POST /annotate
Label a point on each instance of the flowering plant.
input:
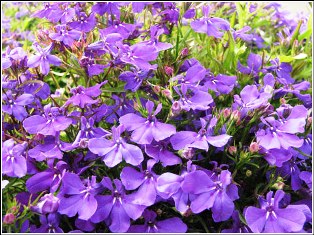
(156, 117)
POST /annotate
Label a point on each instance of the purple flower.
(134, 79)
(306, 176)
(47, 179)
(200, 140)
(281, 133)
(43, 59)
(212, 26)
(144, 182)
(74, 192)
(47, 204)
(51, 122)
(115, 149)
(15, 106)
(117, 208)
(112, 8)
(117, 27)
(216, 192)
(171, 225)
(147, 129)
(49, 224)
(65, 15)
(138, 55)
(159, 152)
(282, 70)
(250, 98)
(193, 98)
(90, 67)
(13, 161)
(254, 63)
(270, 218)
(241, 33)
(194, 75)
(237, 225)
(84, 23)
(221, 84)
(277, 156)
(68, 37)
(84, 96)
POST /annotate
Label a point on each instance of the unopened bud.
(248, 173)
(309, 121)
(226, 113)
(47, 204)
(176, 108)
(83, 143)
(254, 147)
(159, 212)
(156, 89)
(283, 101)
(188, 153)
(168, 70)
(167, 93)
(232, 150)
(236, 115)
(188, 212)
(185, 52)
(9, 218)
(278, 185)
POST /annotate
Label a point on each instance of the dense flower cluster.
(156, 117)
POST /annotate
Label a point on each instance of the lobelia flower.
(221, 84)
(118, 27)
(254, 62)
(75, 192)
(189, 14)
(144, 182)
(152, 225)
(139, 56)
(212, 26)
(49, 224)
(84, 23)
(155, 32)
(43, 59)
(88, 131)
(15, 105)
(112, 8)
(117, 208)
(13, 162)
(49, 10)
(281, 133)
(250, 98)
(68, 37)
(115, 149)
(135, 78)
(147, 129)
(65, 15)
(194, 75)
(47, 204)
(159, 152)
(270, 218)
(282, 70)
(306, 176)
(121, 107)
(171, 14)
(90, 67)
(215, 192)
(51, 122)
(84, 96)
(200, 140)
(193, 98)
(47, 179)
(277, 156)
(241, 33)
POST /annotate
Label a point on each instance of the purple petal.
(219, 140)
(197, 182)
(223, 207)
(182, 139)
(255, 218)
(88, 207)
(132, 154)
(172, 225)
(131, 178)
(34, 124)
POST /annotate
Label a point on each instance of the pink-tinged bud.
(156, 89)
(167, 93)
(283, 101)
(188, 153)
(309, 121)
(168, 70)
(39, 137)
(185, 52)
(9, 218)
(159, 212)
(254, 147)
(176, 108)
(232, 150)
(236, 115)
(83, 143)
(187, 213)
(226, 113)
(47, 204)
(279, 185)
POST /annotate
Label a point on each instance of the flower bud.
(283, 101)
(168, 70)
(232, 150)
(83, 143)
(167, 93)
(248, 173)
(254, 147)
(176, 108)
(236, 115)
(278, 185)
(156, 89)
(9, 218)
(188, 153)
(185, 52)
(159, 212)
(309, 121)
(47, 204)
(226, 113)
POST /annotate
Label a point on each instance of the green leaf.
(287, 59)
